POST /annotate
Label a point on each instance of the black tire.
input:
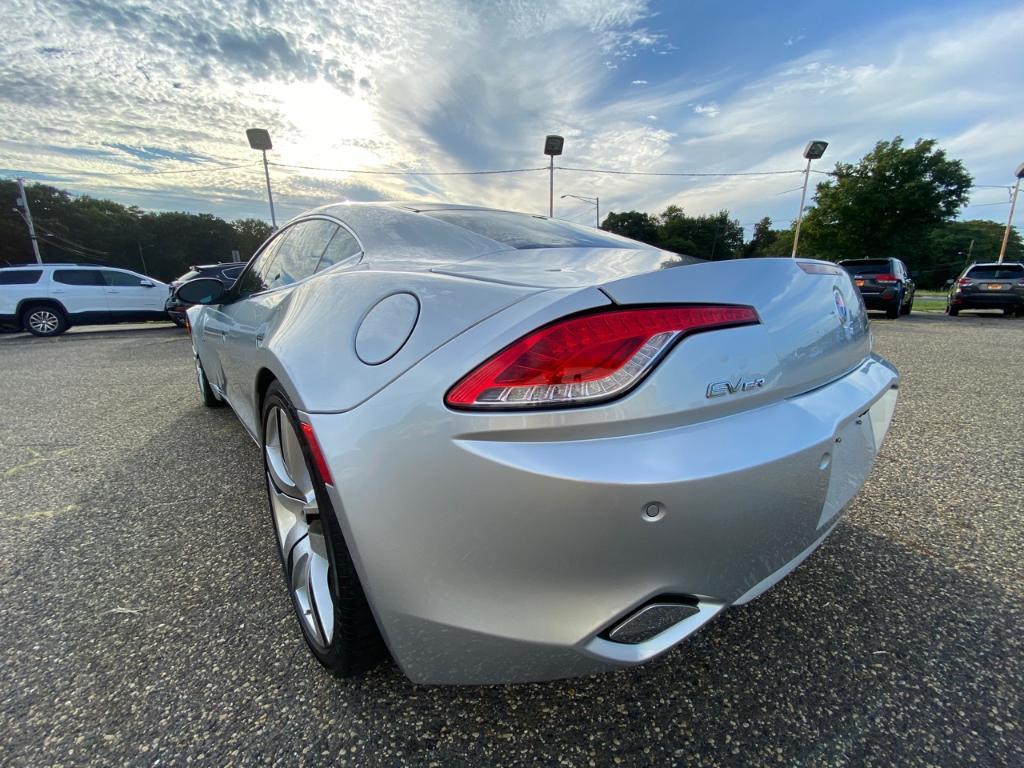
(1009, 312)
(206, 394)
(44, 319)
(356, 644)
(177, 322)
(893, 312)
(952, 311)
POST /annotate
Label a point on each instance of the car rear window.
(522, 231)
(1001, 272)
(78, 277)
(875, 267)
(20, 276)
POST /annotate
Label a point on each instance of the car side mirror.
(202, 290)
(146, 283)
(949, 283)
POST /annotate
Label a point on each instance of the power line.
(660, 173)
(409, 173)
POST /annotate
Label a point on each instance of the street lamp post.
(1019, 173)
(594, 201)
(813, 151)
(259, 138)
(552, 147)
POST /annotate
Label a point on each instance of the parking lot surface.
(143, 618)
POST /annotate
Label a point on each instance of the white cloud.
(92, 86)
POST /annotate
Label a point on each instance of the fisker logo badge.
(840, 306)
(719, 388)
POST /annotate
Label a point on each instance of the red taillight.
(318, 456)
(586, 358)
(886, 279)
(964, 281)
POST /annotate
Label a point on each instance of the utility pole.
(27, 214)
(145, 269)
(1013, 204)
(270, 195)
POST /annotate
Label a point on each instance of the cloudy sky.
(96, 95)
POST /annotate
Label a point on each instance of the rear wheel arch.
(24, 305)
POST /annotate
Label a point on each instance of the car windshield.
(522, 231)
(1001, 272)
(877, 267)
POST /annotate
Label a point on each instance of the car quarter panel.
(310, 343)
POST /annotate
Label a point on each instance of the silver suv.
(47, 299)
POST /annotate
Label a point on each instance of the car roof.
(997, 264)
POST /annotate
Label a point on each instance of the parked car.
(227, 273)
(883, 284)
(988, 286)
(505, 447)
(47, 299)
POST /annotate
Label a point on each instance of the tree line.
(898, 200)
(88, 230)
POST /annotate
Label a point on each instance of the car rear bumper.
(993, 300)
(505, 556)
(881, 299)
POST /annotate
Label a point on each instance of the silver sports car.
(502, 447)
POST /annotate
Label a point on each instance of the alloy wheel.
(43, 321)
(299, 531)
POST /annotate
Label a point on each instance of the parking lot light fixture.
(813, 151)
(259, 138)
(1019, 173)
(594, 201)
(552, 147)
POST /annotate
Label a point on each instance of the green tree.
(764, 237)
(85, 229)
(887, 204)
(952, 245)
(634, 225)
(715, 236)
(249, 235)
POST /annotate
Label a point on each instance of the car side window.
(121, 279)
(342, 248)
(300, 253)
(252, 279)
(78, 277)
(232, 274)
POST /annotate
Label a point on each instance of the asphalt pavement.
(144, 620)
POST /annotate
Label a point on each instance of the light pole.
(813, 151)
(552, 146)
(1019, 173)
(27, 215)
(259, 138)
(594, 201)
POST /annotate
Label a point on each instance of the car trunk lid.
(812, 319)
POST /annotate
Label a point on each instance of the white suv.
(47, 299)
